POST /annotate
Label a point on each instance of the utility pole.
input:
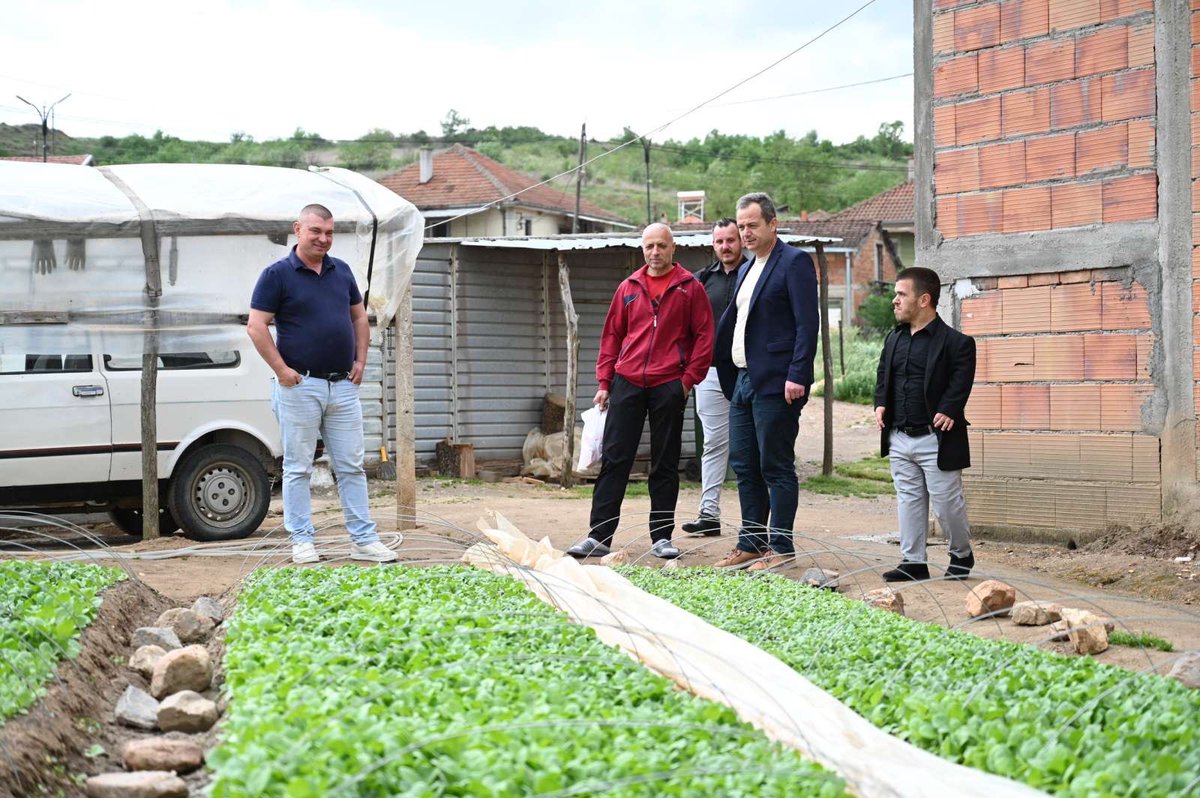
(646, 152)
(44, 113)
(579, 175)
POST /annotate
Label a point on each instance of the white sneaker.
(372, 552)
(305, 553)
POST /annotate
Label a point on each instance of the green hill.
(808, 173)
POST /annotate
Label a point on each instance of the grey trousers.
(713, 409)
(920, 483)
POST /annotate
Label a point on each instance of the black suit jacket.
(949, 375)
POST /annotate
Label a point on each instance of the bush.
(875, 315)
(862, 361)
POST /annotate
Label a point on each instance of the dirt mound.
(41, 750)
(1158, 541)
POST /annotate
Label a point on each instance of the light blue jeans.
(332, 411)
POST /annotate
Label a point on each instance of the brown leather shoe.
(736, 558)
(771, 562)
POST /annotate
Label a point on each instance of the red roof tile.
(894, 205)
(465, 178)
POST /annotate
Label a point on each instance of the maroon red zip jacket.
(652, 343)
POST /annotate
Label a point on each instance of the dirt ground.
(1131, 576)
(1128, 575)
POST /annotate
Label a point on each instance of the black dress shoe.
(907, 572)
(960, 567)
(705, 526)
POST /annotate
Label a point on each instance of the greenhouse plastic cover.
(73, 273)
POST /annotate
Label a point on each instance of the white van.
(72, 438)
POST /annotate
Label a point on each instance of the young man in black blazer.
(925, 376)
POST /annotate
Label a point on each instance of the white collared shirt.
(743, 303)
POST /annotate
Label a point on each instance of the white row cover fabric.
(722, 667)
(72, 257)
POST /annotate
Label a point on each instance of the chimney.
(912, 168)
(426, 160)
(804, 216)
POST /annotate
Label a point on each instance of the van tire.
(129, 520)
(219, 492)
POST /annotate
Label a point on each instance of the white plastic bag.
(592, 442)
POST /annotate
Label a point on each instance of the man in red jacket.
(657, 343)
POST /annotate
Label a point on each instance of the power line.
(815, 91)
(692, 110)
(782, 161)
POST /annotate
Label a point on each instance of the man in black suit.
(764, 354)
(924, 379)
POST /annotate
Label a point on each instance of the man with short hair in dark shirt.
(924, 379)
(718, 279)
(318, 361)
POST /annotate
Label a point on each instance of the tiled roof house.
(466, 193)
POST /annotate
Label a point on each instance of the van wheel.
(219, 492)
(129, 520)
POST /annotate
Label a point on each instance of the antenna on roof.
(44, 112)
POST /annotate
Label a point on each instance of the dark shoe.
(703, 527)
(960, 567)
(589, 547)
(907, 572)
(664, 550)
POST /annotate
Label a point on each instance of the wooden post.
(149, 418)
(406, 431)
(827, 361)
(564, 285)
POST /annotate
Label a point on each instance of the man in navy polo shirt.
(318, 360)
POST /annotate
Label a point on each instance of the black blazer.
(949, 375)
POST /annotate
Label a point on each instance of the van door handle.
(87, 390)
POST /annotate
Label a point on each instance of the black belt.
(916, 432)
(331, 376)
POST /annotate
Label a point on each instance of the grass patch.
(633, 489)
(865, 478)
(856, 383)
(1139, 640)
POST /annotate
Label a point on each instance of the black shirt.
(718, 284)
(909, 359)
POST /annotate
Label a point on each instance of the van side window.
(176, 361)
(43, 363)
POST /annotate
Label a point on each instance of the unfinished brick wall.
(1057, 437)
(1195, 107)
(1043, 114)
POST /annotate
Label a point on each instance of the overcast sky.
(209, 69)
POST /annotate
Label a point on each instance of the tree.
(453, 123)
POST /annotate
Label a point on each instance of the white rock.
(137, 708)
(188, 712)
(187, 625)
(141, 784)
(618, 557)
(162, 753)
(1187, 669)
(183, 669)
(1035, 613)
(990, 597)
(1085, 630)
(885, 598)
(163, 637)
(144, 658)
(209, 608)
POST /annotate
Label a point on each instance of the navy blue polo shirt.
(313, 330)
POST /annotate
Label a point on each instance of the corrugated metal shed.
(490, 335)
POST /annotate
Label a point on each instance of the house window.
(528, 226)
(879, 263)
(440, 230)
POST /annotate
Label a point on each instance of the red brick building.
(1055, 196)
